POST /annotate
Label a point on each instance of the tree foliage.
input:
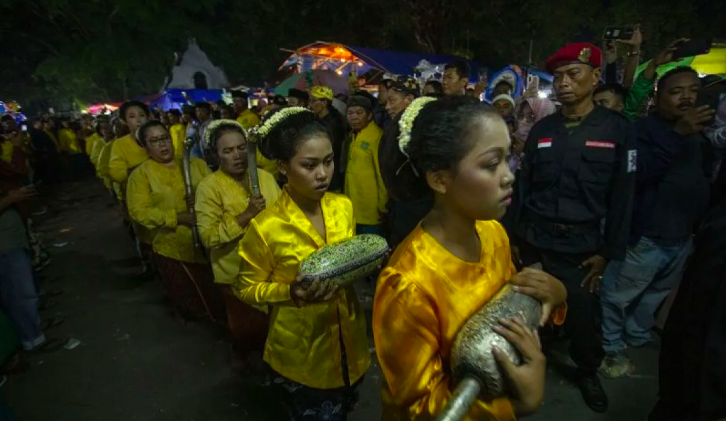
(100, 50)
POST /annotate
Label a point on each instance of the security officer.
(571, 210)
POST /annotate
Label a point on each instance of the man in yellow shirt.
(363, 182)
(245, 116)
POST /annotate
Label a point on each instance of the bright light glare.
(542, 94)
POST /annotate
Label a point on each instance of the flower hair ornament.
(259, 132)
(405, 125)
(263, 129)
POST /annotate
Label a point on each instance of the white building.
(194, 70)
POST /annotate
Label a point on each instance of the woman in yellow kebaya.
(157, 200)
(104, 157)
(453, 263)
(317, 342)
(225, 207)
(127, 153)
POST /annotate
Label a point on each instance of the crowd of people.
(614, 188)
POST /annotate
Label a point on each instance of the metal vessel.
(474, 367)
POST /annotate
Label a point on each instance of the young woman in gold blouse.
(224, 208)
(317, 342)
(453, 263)
(157, 200)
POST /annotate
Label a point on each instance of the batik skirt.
(191, 289)
(305, 403)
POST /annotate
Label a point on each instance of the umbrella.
(305, 80)
(713, 63)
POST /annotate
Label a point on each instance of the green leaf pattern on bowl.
(346, 261)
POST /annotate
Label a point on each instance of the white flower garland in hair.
(405, 124)
(216, 123)
(264, 128)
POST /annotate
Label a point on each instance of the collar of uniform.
(595, 117)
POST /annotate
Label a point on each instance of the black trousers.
(582, 324)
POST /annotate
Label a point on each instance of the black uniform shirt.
(579, 175)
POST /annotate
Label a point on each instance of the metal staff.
(252, 162)
(189, 143)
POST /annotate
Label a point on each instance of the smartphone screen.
(618, 33)
(532, 82)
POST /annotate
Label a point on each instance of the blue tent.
(175, 98)
(404, 63)
(395, 62)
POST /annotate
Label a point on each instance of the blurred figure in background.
(321, 103)
(456, 78)
(297, 98)
(433, 88)
(528, 113)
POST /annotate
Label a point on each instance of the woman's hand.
(526, 381)
(542, 286)
(256, 205)
(320, 290)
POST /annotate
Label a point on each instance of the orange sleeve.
(405, 327)
(558, 316)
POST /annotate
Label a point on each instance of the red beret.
(578, 52)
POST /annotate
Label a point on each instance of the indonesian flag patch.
(545, 142)
(600, 144)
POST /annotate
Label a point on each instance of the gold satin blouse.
(126, 155)
(220, 199)
(423, 297)
(303, 344)
(155, 195)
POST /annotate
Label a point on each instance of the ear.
(596, 75)
(282, 167)
(439, 181)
